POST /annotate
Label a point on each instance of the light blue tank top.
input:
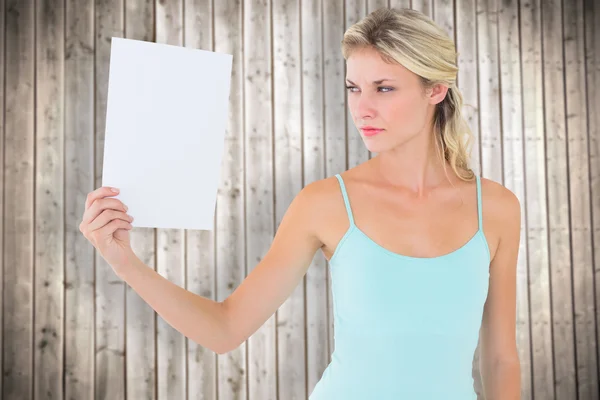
(405, 328)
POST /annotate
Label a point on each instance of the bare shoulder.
(322, 197)
(501, 210)
(327, 214)
(500, 201)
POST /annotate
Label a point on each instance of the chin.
(377, 146)
(380, 144)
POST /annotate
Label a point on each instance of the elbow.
(225, 345)
(215, 335)
(222, 350)
(224, 342)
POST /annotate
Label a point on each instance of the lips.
(370, 131)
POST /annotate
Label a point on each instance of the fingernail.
(115, 190)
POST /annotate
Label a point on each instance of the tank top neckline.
(354, 228)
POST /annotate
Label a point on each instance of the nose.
(364, 106)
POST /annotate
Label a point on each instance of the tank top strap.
(346, 201)
(479, 211)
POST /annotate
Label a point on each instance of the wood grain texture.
(561, 283)
(2, 202)
(19, 189)
(489, 88)
(528, 70)
(110, 290)
(467, 79)
(49, 205)
(373, 5)
(443, 15)
(399, 3)
(536, 215)
(79, 181)
(425, 6)
(287, 156)
(591, 23)
(580, 218)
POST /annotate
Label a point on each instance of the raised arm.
(223, 326)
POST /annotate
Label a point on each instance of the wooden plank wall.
(529, 70)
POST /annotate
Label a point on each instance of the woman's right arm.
(223, 326)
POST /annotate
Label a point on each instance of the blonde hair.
(410, 38)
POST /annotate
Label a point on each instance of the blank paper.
(166, 116)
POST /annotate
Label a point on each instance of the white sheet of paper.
(166, 116)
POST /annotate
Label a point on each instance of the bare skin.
(395, 219)
(402, 199)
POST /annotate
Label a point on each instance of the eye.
(387, 88)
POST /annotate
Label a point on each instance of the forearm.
(198, 318)
(501, 381)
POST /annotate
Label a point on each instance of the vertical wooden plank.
(542, 386)
(558, 201)
(425, 6)
(591, 15)
(79, 172)
(2, 172)
(140, 340)
(399, 3)
(357, 151)
(291, 341)
(489, 81)
(317, 352)
(200, 251)
(49, 231)
(170, 252)
(230, 253)
(19, 200)
(579, 197)
(335, 111)
(466, 46)
(443, 15)
(514, 166)
(373, 5)
(258, 98)
(110, 290)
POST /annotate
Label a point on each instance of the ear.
(437, 93)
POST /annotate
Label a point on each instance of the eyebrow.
(375, 82)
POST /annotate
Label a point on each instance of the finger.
(106, 217)
(101, 192)
(112, 226)
(99, 206)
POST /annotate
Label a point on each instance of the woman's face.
(397, 105)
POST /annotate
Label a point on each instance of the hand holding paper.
(106, 225)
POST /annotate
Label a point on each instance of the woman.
(422, 251)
